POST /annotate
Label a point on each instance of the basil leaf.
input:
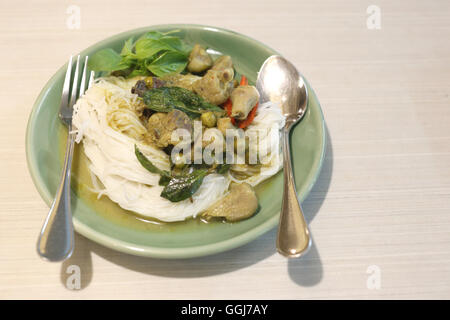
(106, 60)
(154, 52)
(161, 101)
(139, 69)
(165, 99)
(192, 100)
(127, 48)
(137, 72)
(191, 113)
(182, 187)
(147, 48)
(211, 107)
(158, 100)
(147, 164)
(129, 62)
(173, 43)
(152, 35)
(169, 62)
(164, 180)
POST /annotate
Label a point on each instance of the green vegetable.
(148, 47)
(167, 63)
(153, 35)
(165, 99)
(193, 100)
(153, 53)
(164, 180)
(107, 60)
(127, 49)
(182, 187)
(158, 100)
(147, 164)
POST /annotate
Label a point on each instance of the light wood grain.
(383, 197)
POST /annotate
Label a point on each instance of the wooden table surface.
(380, 211)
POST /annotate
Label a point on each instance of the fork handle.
(293, 239)
(56, 240)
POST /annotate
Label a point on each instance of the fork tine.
(83, 77)
(73, 99)
(91, 79)
(66, 86)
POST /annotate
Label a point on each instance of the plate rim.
(148, 250)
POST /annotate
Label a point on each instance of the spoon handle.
(56, 240)
(293, 238)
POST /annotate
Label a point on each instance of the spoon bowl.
(281, 83)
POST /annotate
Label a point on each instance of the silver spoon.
(280, 82)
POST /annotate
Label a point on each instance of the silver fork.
(56, 240)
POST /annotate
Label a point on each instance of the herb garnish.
(165, 99)
(153, 53)
(178, 187)
(183, 187)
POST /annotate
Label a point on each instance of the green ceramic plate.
(104, 222)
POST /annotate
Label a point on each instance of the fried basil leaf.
(165, 99)
(147, 164)
(181, 188)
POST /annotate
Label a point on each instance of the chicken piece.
(215, 86)
(241, 203)
(223, 124)
(185, 81)
(161, 125)
(155, 129)
(223, 63)
(199, 60)
(243, 99)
